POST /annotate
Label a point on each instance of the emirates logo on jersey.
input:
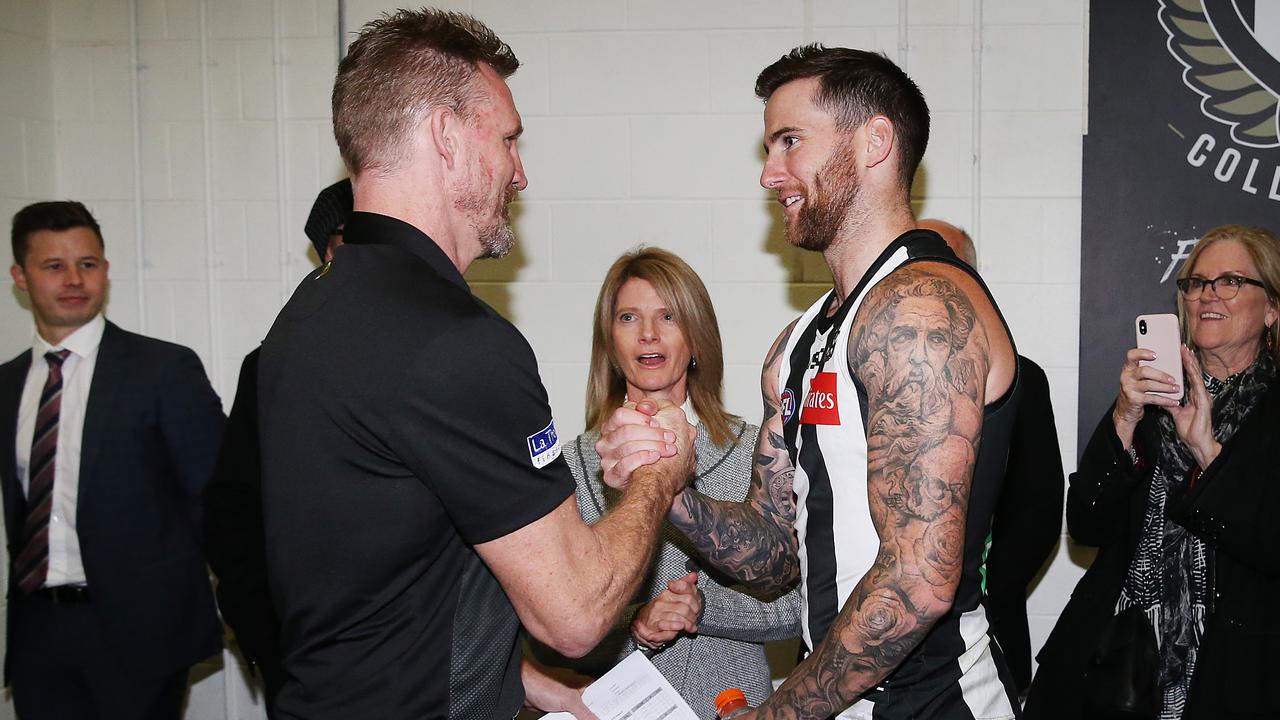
(821, 405)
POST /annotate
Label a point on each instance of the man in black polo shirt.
(414, 497)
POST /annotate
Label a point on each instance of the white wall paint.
(27, 139)
(198, 132)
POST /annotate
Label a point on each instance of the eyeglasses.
(1225, 286)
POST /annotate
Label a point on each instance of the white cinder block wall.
(198, 132)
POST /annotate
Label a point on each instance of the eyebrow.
(773, 137)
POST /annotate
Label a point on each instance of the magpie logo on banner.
(1230, 52)
(1182, 135)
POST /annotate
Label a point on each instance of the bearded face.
(833, 194)
(486, 203)
(496, 236)
(919, 346)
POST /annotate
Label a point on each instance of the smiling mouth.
(790, 200)
(1212, 316)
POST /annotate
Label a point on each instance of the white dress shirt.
(65, 566)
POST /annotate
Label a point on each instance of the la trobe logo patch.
(544, 445)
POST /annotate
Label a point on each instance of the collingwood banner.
(1183, 136)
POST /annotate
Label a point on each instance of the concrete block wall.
(27, 139)
(198, 131)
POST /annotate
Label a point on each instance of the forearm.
(549, 689)
(738, 539)
(622, 545)
(881, 623)
(733, 615)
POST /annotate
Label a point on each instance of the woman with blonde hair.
(1179, 497)
(656, 337)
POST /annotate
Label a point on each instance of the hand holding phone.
(1159, 334)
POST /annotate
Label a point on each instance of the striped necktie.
(32, 565)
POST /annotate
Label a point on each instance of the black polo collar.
(366, 228)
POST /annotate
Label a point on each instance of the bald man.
(1028, 517)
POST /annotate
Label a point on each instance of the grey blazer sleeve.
(735, 615)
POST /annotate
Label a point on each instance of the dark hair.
(329, 212)
(853, 86)
(401, 67)
(56, 215)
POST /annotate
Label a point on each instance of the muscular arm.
(919, 348)
(752, 540)
(568, 580)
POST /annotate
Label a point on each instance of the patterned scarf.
(1168, 576)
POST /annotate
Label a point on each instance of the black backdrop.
(1181, 138)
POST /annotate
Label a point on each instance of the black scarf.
(1168, 576)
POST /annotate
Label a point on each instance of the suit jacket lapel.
(113, 358)
(10, 398)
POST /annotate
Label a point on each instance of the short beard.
(496, 237)
(827, 206)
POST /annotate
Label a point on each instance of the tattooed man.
(887, 412)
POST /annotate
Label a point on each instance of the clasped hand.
(646, 433)
(673, 611)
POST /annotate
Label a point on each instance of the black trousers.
(61, 667)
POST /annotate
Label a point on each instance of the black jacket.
(1232, 508)
(1027, 522)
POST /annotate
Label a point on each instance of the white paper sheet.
(633, 690)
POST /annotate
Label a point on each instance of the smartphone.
(1159, 334)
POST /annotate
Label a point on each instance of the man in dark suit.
(234, 540)
(108, 440)
(1028, 517)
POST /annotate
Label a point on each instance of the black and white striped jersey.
(956, 672)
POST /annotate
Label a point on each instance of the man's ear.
(880, 138)
(19, 277)
(446, 127)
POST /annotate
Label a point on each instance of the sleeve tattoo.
(752, 541)
(919, 350)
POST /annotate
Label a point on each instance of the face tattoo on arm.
(923, 359)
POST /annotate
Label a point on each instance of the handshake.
(648, 443)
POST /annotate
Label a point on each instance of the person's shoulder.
(581, 450)
(144, 346)
(384, 273)
(20, 360)
(14, 372)
(474, 324)
(1030, 374)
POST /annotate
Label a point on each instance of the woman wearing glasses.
(1182, 501)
